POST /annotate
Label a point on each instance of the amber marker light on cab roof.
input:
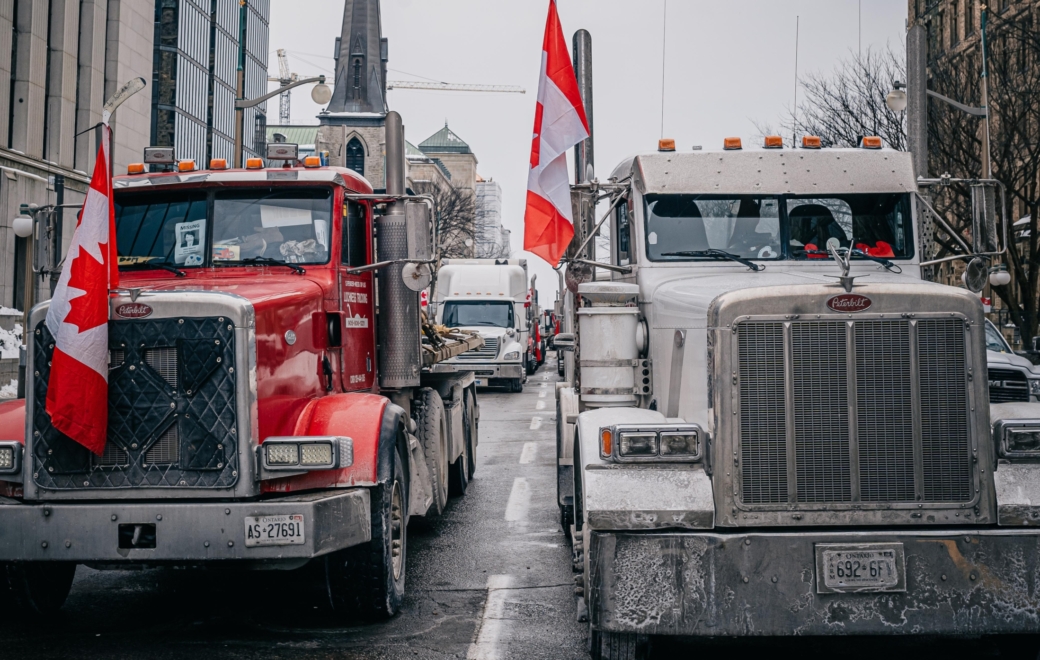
(811, 142)
(254, 163)
(666, 145)
(774, 142)
(731, 144)
(186, 166)
(606, 442)
(870, 142)
(218, 164)
(312, 161)
(135, 168)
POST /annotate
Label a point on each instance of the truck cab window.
(878, 225)
(746, 226)
(290, 225)
(355, 235)
(623, 233)
(478, 314)
(168, 229)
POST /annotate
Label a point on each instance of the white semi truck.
(491, 297)
(772, 424)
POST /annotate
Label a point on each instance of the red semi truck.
(270, 399)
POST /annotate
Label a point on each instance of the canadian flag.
(77, 392)
(559, 124)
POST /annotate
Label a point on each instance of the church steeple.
(361, 61)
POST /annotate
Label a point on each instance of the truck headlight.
(1023, 442)
(1034, 387)
(512, 355)
(10, 457)
(643, 444)
(306, 453)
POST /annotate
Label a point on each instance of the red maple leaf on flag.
(90, 275)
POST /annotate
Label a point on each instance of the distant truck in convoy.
(490, 297)
(266, 408)
(775, 425)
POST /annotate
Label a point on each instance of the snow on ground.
(10, 340)
(9, 391)
(7, 311)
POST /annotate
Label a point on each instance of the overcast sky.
(729, 63)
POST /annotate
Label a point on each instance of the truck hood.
(683, 302)
(995, 359)
(265, 292)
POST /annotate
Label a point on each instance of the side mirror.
(564, 341)
(984, 218)
(419, 231)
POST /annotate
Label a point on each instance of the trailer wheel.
(618, 646)
(462, 469)
(368, 579)
(38, 588)
(433, 434)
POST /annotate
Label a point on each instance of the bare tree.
(848, 103)
(456, 218)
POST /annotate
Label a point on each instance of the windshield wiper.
(176, 271)
(716, 254)
(277, 262)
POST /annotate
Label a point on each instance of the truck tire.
(618, 646)
(473, 425)
(532, 364)
(38, 588)
(367, 580)
(433, 435)
(516, 385)
(461, 470)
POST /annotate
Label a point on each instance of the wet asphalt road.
(491, 579)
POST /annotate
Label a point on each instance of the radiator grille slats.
(821, 411)
(166, 450)
(851, 435)
(489, 352)
(763, 436)
(947, 459)
(164, 362)
(1007, 386)
(884, 411)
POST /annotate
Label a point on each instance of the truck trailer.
(270, 402)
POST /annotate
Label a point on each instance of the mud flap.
(420, 487)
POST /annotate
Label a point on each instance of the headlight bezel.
(511, 355)
(340, 450)
(614, 436)
(1004, 431)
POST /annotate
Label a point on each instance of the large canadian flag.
(77, 392)
(559, 124)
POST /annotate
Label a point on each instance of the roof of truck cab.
(335, 175)
(771, 172)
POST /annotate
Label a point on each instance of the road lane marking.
(519, 501)
(540, 405)
(541, 395)
(527, 455)
(544, 385)
(493, 620)
(536, 423)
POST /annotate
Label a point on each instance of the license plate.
(274, 530)
(860, 567)
(478, 381)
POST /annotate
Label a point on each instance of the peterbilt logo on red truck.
(133, 311)
(849, 302)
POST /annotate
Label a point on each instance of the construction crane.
(449, 87)
(285, 77)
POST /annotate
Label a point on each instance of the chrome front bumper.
(967, 582)
(188, 532)
(482, 372)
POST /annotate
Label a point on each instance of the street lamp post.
(321, 94)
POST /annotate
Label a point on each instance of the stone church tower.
(353, 126)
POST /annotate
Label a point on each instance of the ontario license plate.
(274, 530)
(860, 567)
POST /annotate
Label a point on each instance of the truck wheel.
(461, 469)
(532, 364)
(39, 588)
(368, 579)
(433, 434)
(516, 385)
(473, 426)
(618, 646)
(560, 365)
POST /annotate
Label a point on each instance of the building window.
(357, 79)
(969, 18)
(356, 156)
(955, 24)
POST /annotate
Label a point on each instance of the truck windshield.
(877, 225)
(195, 228)
(994, 340)
(468, 314)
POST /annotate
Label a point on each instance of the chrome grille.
(884, 419)
(489, 352)
(112, 457)
(827, 412)
(166, 450)
(164, 362)
(763, 425)
(1008, 386)
(821, 412)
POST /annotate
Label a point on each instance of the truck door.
(357, 299)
